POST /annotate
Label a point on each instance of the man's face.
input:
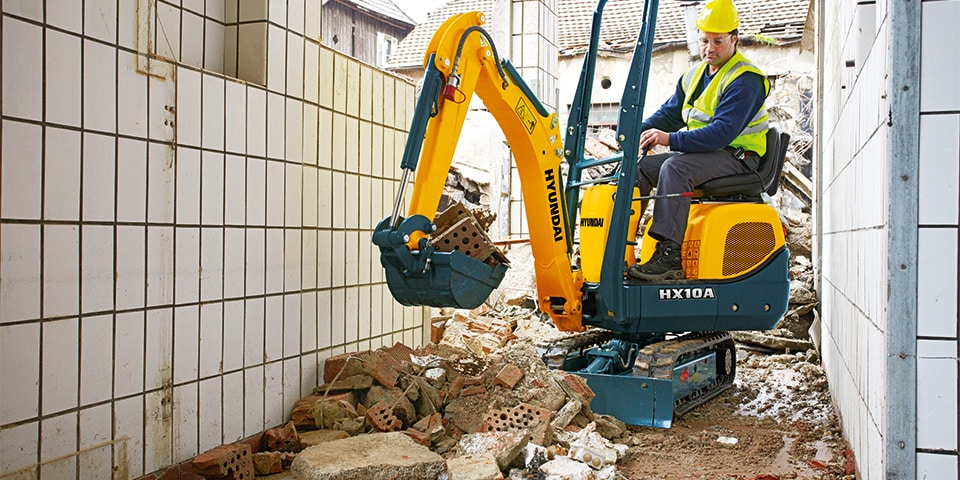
(717, 48)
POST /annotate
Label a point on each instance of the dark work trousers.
(673, 172)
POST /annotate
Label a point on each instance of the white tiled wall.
(179, 251)
(854, 168)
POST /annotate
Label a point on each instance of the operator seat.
(749, 187)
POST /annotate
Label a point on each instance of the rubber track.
(658, 360)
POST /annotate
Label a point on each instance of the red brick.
(382, 418)
(302, 414)
(473, 390)
(333, 365)
(509, 376)
(282, 439)
(468, 381)
(523, 416)
(229, 462)
(418, 436)
(454, 387)
(383, 368)
(400, 353)
(253, 442)
(578, 385)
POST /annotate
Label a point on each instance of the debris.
(233, 462)
(473, 467)
(729, 441)
(372, 456)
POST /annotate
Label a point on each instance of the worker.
(720, 102)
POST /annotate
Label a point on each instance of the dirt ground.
(776, 422)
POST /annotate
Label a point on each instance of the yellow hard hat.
(718, 16)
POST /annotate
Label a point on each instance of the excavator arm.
(461, 61)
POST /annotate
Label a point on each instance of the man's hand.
(653, 137)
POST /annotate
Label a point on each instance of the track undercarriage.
(647, 381)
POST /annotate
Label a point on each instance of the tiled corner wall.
(853, 171)
(939, 223)
(534, 52)
(854, 167)
(180, 250)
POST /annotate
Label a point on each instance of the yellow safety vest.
(700, 112)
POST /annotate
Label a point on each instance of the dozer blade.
(426, 277)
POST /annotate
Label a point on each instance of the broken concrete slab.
(376, 456)
(316, 437)
(504, 446)
(473, 467)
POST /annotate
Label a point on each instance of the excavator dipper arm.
(461, 61)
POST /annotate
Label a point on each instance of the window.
(385, 47)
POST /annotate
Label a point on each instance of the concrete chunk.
(378, 456)
(474, 467)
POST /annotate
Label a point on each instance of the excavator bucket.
(429, 277)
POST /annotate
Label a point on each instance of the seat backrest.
(771, 164)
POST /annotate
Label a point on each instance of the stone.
(473, 390)
(376, 456)
(265, 463)
(473, 467)
(565, 468)
(509, 376)
(343, 366)
(349, 384)
(566, 414)
(327, 413)
(302, 414)
(282, 439)
(504, 446)
(233, 462)
(316, 437)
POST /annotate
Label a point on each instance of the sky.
(418, 9)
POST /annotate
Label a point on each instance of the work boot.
(665, 264)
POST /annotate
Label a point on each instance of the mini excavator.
(650, 351)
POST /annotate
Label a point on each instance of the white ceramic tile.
(324, 263)
(100, 19)
(22, 53)
(376, 310)
(61, 360)
(291, 325)
(211, 264)
(65, 14)
(99, 177)
(230, 52)
(353, 79)
(256, 264)
(195, 6)
(365, 151)
(276, 116)
(63, 83)
(338, 314)
(20, 438)
(213, 112)
(339, 186)
(131, 180)
(291, 384)
(185, 421)
(939, 84)
(233, 411)
(309, 139)
(389, 101)
(311, 72)
(275, 193)
(365, 262)
(233, 339)
(211, 406)
(159, 266)
(188, 186)
(96, 268)
(189, 107)
(95, 429)
(338, 142)
(62, 174)
(352, 317)
(363, 312)
(294, 131)
(273, 336)
(191, 40)
(158, 452)
(233, 262)
(937, 282)
(99, 87)
(293, 193)
(128, 415)
(212, 191)
(187, 265)
(274, 261)
(256, 191)
(59, 440)
(937, 403)
(325, 138)
(341, 87)
(19, 365)
(253, 332)
(276, 58)
(353, 198)
(295, 65)
(61, 270)
(253, 388)
(308, 322)
(325, 198)
(129, 346)
(236, 117)
(292, 260)
(252, 51)
(308, 267)
(295, 15)
(161, 183)
(21, 168)
(277, 12)
(19, 272)
(162, 118)
(936, 465)
(939, 169)
(308, 372)
(167, 33)
(186, 344)
(96, 360)
(352, 145)
(312, 19)
(310, 197)
(214, 42)
(376, 99)
(126, 30)
(273, 412)
(366, 92)
(326, 82)
(211, 339)
(352, 258)
(379, 138)
(324, 319)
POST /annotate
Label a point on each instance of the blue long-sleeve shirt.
(739, 103)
